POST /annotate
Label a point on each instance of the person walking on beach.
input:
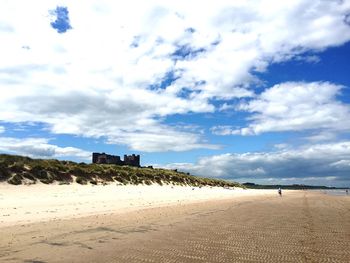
(280, 191)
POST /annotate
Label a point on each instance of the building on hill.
(103, 158)
(132, 160)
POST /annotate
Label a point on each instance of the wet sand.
(299, 227)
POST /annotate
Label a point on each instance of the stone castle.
(103, 158)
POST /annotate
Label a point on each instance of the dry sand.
(25, 204)
(301, 226)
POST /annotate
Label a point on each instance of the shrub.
(81, 180)
(77, 171)
(148, 182)
(62, 176)
(4, 174)
(17, 167)
(16, 179)
(28, 176)
(46, 181)
(158, 180)
(39, 172)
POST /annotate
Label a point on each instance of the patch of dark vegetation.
(4, 173)
(17, 170)
(16, 179)
(81, 180)
(93, 182)
(27, 175)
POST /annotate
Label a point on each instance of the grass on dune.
(18, 170)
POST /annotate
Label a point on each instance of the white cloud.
(322, 136)
(161, 140)
(224, 130)
(225, 107)
(310, 59)
(296, 106)
(2, 129)
(41, 148)
(94, 80)
(281, 146)
(342, 164)
(322, 162)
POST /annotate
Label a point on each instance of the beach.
(24, 204)
(186, 225)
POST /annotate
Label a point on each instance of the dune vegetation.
(24, 170)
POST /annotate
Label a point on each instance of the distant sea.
(334, 192)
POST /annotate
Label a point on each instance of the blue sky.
(245, 91)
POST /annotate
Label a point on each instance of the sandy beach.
(25, 204)
(168, 224)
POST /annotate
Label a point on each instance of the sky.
(249, 91)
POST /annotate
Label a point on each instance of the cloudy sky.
(247, 90)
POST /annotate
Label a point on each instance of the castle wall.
(103, 158)
(132, 160)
